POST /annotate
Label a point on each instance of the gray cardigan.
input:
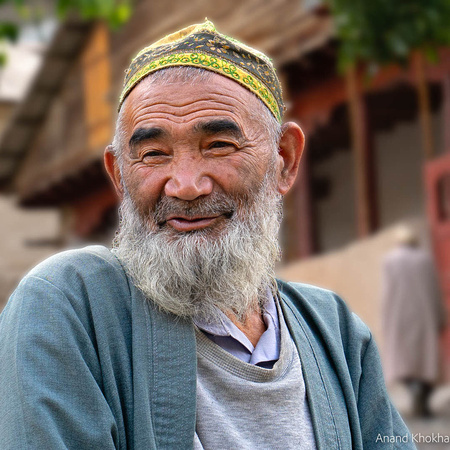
(87, 363)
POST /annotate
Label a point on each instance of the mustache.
(213, 204)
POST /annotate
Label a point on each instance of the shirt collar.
(268, 346)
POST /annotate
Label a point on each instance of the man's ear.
(290, 150)
(112, 167)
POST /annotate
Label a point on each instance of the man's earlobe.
(112, 167)
(290, 149)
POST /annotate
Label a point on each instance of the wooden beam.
(300, 236)
(305, 215)
(363, 151)
(446, 108)
(424, 105)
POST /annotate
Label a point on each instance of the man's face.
(201, 183)
(189, 142)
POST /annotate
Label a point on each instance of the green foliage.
(8, 31)
(385, 31)
(114, 12)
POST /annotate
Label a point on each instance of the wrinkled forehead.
(181, 97)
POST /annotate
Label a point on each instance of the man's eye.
(220, 144)
(152, 154)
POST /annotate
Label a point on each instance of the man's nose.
(188, 181)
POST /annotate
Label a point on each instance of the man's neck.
(253, 326)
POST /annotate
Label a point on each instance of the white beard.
(192, 274)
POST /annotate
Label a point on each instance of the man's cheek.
(137, 194)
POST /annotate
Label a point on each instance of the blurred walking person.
(412, 318)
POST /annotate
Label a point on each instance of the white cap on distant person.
(406, 235)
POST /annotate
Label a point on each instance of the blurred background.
(368, 83)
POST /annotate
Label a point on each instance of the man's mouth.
(185, 223)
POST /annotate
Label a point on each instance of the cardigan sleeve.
(381, 424)
(50, 376)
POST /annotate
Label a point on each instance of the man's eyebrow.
(216, 126)
(144, 134)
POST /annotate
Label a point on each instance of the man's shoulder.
(82, 275)
(87, 262)
(324, 311)
(313, 297)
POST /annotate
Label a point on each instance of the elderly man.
(181, 337)
(413, 316)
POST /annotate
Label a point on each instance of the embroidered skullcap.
(202, 46)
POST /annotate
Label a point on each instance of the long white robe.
(412, 315)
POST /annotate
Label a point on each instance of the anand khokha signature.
(432, 438)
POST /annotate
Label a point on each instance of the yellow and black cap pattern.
(202, 46)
